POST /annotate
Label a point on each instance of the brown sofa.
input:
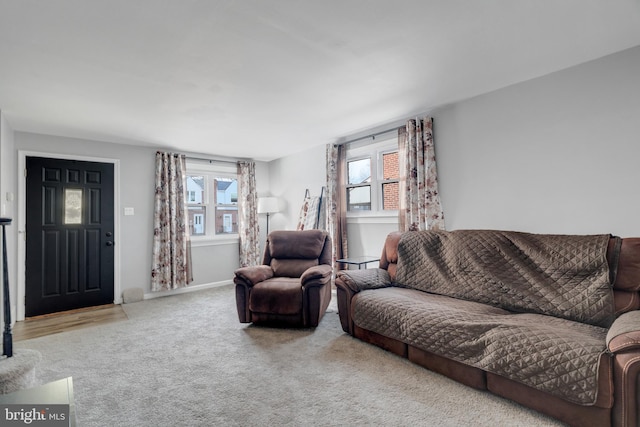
(548, 321)
(292, 287)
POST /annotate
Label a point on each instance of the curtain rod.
(213, 160)
(372, 135)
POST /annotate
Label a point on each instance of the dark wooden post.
(7, 339)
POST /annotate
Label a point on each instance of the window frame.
(374, 150)
(211, 171)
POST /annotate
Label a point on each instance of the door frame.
(22, 219)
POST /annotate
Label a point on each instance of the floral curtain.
(248, 228)
(420, 207)
(336, 200)
(171, 266)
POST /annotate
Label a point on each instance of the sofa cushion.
(279, 295)
(307, 244)
(291, 267)
(559, 275)
(554, 355)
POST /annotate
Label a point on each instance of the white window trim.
(374, 150)
(374, 219)
(220, 171)
(201, 241)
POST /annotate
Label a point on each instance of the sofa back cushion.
(624, 261)
(291, 252)
(627, 265)
(559, 275)
(291, 267)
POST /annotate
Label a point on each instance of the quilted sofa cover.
(527, 316)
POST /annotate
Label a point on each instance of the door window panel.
(72, 206)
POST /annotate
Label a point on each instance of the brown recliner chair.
(293, 286)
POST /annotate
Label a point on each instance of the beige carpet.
(186, 361)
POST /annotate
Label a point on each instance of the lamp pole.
(267, 205)
(7, 339)
(268, 223)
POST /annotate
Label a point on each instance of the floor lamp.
(267, 205)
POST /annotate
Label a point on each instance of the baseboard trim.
(193, 288)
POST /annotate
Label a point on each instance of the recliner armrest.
(316, 275)
(254, 274)
(624, 333)
(359, 280)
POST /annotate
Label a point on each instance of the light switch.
(129, 211)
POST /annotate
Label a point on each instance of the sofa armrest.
(318, 275)
(624, 333)
(359, 280)
(349, 283)
(251, 275)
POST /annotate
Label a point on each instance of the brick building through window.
(390, 181)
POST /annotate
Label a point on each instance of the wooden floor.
(48, 324)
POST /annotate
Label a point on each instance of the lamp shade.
(267, 205)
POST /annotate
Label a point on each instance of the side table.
(360, 261)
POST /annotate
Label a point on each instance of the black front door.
(70, 243)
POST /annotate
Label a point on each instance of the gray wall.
(289, 177)
(556, 154)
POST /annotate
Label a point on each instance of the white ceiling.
(265, 78)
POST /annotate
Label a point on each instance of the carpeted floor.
(185, 360)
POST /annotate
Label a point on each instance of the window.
(359, 184)
(212, 200)
(390, 184)
(373, 177)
